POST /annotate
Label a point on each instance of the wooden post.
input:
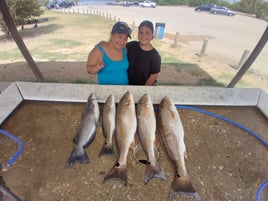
(176, 40)
(243, 59)
(204, 47)
(250, 59)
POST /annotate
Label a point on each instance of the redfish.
(108, 125)
(172, 137)
(126, 125)
(146, 133)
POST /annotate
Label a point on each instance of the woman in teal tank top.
(114, 72)
(109, 59)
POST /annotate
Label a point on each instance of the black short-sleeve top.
(141, 63)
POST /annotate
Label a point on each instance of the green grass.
(210, 82)
(11, 54)
(75, 32)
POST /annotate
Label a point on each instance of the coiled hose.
(262, 186)
(17, 154)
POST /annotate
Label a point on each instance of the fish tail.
(181, 185)
(153, 171)
(106, 149)
(77, 156)
(117, 172)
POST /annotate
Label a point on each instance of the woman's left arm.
(154, 69)
(152, 79)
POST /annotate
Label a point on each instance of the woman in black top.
(144, 59)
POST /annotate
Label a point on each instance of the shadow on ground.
(185, 74)
(75, 72)
(29, 31)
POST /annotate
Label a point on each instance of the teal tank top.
(114, 72)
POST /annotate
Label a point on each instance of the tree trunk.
(16, 36)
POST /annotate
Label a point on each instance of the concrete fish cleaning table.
(223, 161)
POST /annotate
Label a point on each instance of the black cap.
(121, 27)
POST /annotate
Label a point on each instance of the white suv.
(148, 4)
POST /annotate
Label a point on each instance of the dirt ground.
(75, 72)
(224, 162)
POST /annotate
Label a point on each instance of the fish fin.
(117, 172)
(5, 192)
(106, 149)
(77, 156)
(185, 154)
(75, 140)
(97, 123)
(181, 185)
(184, 150)
(153, 171)
(139, 150)
(156, 153)
(90, 140)
(103, 131)
(133, 143)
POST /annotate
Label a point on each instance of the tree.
(257, 7)
(261, 9)
(21, 11)
(16, 36)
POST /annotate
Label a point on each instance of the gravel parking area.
(228, 36)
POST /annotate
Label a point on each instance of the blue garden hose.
(227, 120)
(260, 189)
(17, 154)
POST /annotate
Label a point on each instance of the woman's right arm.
(95, 61)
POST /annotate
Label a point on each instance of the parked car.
(65, 4)
(113, 3)
(60, 4)
(205, 7)
(148, 4)
(222, 10)
(53, 5)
